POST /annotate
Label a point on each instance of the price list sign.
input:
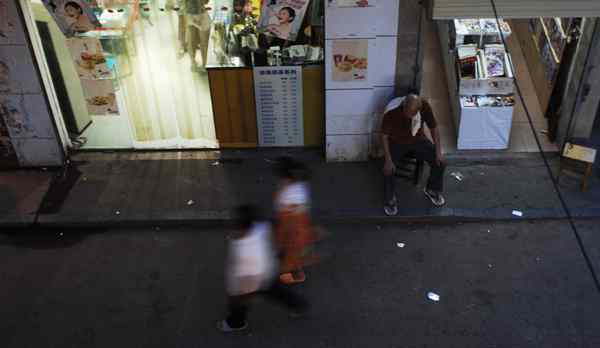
(279, 105)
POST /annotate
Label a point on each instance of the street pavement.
(502, 284)
(130, 189)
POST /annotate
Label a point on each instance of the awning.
(449, 9)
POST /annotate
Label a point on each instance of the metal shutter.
(449, 9)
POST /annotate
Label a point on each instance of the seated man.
(402, 132)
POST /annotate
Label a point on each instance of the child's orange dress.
(295, 232)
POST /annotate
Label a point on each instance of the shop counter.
(234, 105)
(484, 128)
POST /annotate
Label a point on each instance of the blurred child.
(251, 270)
(295, 232)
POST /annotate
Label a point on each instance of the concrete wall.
(583, 86)
(26, 112)
(353, 108)
(407, 62)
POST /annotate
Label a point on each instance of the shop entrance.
(468, 76)
(138, 79)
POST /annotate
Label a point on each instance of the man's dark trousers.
(424, 150)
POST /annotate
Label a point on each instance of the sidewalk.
(192, 187)
(21, 193)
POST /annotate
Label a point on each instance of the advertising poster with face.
(350, 60)
(72, 16)
(100, 97)
(89, 58)
(282, 18)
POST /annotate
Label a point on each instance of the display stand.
(482, 99)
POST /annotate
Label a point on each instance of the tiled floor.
(435, 88)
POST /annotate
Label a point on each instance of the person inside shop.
(402, 133)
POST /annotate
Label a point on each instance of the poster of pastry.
(350, 60)
(351, 3)
(282, 18)
(100, 97)
(72, 16)
(89, 58)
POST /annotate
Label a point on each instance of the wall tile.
(26, 116)
(347, 148)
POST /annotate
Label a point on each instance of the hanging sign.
(278, 92)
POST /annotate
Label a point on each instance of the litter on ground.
(433, 296)
(458, 176)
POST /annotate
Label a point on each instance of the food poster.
(282, 18)
(89, 58)
(350, 3)
(350, 60)
(100, 97)
(72, 16)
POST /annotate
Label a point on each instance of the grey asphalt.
(502, 284)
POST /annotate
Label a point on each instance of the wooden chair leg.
(586, 176)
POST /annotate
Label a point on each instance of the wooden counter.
(234, 106)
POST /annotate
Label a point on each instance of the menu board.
(279, 114)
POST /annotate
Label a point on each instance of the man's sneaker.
(224, 326)
(435, 197)
(391, 208)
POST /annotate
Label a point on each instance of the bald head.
(411, 105)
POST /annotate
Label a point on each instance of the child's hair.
(74, 5)
(246, 215)
(288, 168)
(290, 11)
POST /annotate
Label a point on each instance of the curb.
(223, 218)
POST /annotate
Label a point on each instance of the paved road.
(512, 285)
